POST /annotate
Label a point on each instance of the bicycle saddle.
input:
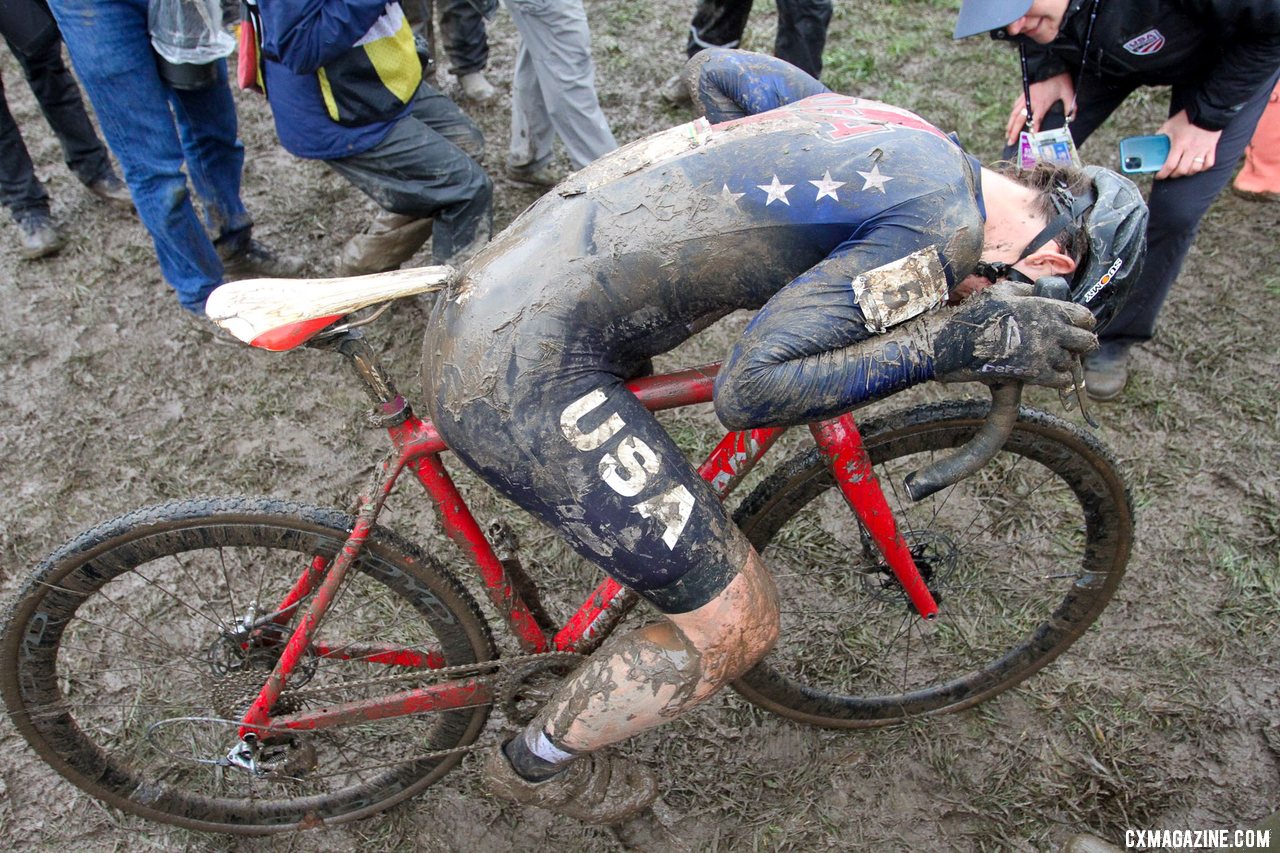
(279, 314)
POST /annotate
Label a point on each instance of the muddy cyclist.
(868, 240)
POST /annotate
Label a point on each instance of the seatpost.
(390, 409)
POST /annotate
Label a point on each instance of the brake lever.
(1075, 395)
(1056, 287)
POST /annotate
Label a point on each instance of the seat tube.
(842, 444)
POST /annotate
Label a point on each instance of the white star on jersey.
(728, 196)
(875, 180)
(827, 187)
(777, 191)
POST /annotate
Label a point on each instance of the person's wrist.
(1195, 118)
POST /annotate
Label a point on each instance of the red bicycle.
(254, 665)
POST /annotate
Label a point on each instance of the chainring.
(526, 687)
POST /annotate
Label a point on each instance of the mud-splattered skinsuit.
(526, 359)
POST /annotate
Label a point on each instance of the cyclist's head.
(1098, 219)
(1038, 20)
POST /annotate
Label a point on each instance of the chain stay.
(237, 757)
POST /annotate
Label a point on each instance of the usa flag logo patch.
(1146, 44)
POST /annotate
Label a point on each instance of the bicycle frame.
(417, 447)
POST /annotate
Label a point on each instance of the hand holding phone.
(1143, 154)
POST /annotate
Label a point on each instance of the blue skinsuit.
(526, 360)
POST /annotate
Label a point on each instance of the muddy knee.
(739, 626)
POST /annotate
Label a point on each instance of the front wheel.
(1023, 556)
(125, 662)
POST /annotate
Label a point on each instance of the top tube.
(418, 436)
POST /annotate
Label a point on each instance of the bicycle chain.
(498, 686)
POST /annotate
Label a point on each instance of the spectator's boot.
(675, 91)
(385, 243)
(252, 259)
(112, 190)
(599, 787)
(476, 88)
(39, 236)
(1106, 371)
(543, 177)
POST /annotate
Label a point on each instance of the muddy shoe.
(112, 190)
(254, 259)
(600, 787)
(543, 177)
(476, 88)
(674, 91)
(39, 236)
(1106, 371)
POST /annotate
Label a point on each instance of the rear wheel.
(122, 663)
(1023, 556)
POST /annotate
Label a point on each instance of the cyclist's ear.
(1049, 259)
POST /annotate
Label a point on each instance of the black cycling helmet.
(1116, 228)
(1112, 217)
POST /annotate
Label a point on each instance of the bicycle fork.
(842, 444)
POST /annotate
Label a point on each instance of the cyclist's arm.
(733, 84)
(809, 355)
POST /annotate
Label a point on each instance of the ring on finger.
(1197, 159)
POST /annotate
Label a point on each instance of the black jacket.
(1225, 50)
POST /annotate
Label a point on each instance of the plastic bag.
(188, 31)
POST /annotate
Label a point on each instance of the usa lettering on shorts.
(1197, 839)
(629, 468)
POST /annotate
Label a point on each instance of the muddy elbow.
(733, 401)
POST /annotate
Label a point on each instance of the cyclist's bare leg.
(652, 675)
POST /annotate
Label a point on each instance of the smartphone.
(1140, 154)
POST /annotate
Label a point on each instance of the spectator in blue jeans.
(32, 36)
(155, 129)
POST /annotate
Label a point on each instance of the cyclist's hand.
(1044, 95)
(1191, 148)
(1004, 334)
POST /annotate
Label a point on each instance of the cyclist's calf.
(650, 676)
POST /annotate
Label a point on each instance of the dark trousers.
(462, 21)
(802, 29)
(59, 98)
(1177, 204)
(421, 169)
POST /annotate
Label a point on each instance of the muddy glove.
(1005, 334)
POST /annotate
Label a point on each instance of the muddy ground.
(1165, 715)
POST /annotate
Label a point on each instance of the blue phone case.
(1140, 154)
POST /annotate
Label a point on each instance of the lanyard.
(1084, 58)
